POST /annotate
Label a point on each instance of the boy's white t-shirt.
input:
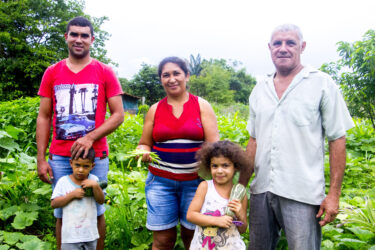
(79, 220)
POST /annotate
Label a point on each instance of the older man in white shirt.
(291, 113)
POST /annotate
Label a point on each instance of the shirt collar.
(304, 72)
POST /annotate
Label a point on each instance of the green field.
(26, 218)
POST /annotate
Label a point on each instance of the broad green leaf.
(5, 213)
(35, 244)
(24, 219)
(44, 190)
(4, 134)
(29, 207)
(26, 238)
(327, 244)
(356, 244)
(13, 131)
(4, 247)
(9, 144)
(12, 238)
(362, 234)
(26, 159)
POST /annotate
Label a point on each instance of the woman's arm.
(196, 217)
(146, 141)
(208, 117)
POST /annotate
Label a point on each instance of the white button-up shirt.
(290, 133)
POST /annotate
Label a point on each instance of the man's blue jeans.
(269, 213)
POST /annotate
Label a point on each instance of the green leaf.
(23, 219)
(13, 131)
(26, 238)
(327, 244)
(356, 244)
(9, 144)
(32, 245)
(12, 238)
(362, 234)
(44, 190)
(26, 159)
(4, 247)
(5, 213)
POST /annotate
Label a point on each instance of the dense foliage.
(26, 220)
(355, 72)
(214, 80)
(32, 38)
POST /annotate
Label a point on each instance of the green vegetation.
(215, 80)
(26, 219)
(32, 38)
(355, 72)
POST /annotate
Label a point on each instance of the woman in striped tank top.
(174, 128)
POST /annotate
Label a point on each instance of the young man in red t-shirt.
(73, 97)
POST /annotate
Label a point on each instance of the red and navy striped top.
(176, 140)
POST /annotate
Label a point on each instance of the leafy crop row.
(26, 219)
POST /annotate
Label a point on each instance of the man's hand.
(329, 207)
(81, 144)
(45, 170)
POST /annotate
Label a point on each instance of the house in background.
(130, 103)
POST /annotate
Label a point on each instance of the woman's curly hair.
(225, 148)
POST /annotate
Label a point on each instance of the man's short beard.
(78, 56)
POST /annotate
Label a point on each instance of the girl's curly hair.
(225, 148)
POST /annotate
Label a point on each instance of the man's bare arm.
(43, 128)
(250, 152)
(337, 161)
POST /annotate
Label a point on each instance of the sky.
(146, 31)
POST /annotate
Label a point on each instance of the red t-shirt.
(79, 103)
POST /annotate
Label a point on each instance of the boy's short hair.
(90, 155)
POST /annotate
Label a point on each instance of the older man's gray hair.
(288, 27)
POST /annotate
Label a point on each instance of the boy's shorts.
(168, 201)
(60, 167)
(91, 245)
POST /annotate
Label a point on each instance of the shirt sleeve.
(45, 88)
(113, 86)
(59, 189)
(336, 119)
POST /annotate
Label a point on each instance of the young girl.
(215, 230)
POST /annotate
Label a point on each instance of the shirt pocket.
(301, 113)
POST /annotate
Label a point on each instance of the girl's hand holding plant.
(235, 206)
(224, 221)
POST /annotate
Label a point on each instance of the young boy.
(79, 220)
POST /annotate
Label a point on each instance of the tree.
(146, 83)
(358, 84)
(32, 38)
(220, 82)
(242, 84)
(195, 65)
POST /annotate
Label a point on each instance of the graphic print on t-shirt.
(75, 110)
